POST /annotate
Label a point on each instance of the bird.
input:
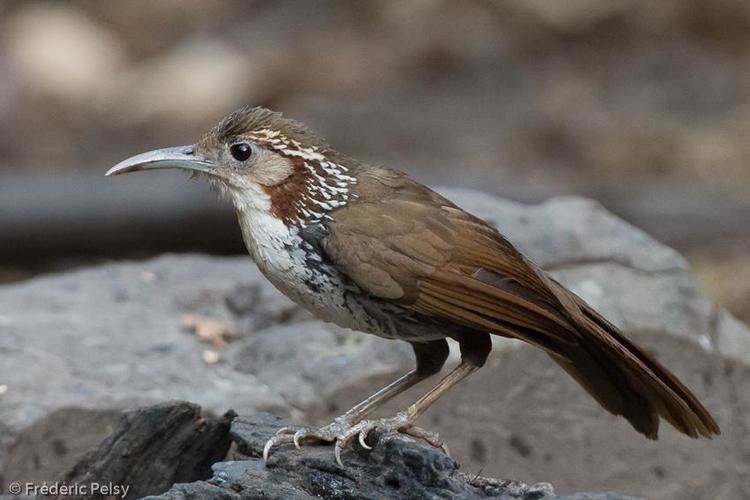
(371, 249)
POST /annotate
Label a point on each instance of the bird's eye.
(241, 151)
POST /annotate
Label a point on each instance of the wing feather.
(402, 242)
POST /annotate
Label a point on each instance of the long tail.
(628, 381)
(621, 376)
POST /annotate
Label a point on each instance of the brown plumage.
(404, 242)
(371, 249)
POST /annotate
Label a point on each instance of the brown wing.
(401, 241)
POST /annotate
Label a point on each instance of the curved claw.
(431, 438)
(270, 444)
(343, 435)
(363, 439)
(359, 431)
(337, 452)
(302, 432)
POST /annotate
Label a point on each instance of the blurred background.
(644, 106)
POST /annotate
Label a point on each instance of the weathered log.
(154, 447)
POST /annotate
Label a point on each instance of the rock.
(157, 446)
(112, 337)
(309, 362)
(152, 448)
(55, 443)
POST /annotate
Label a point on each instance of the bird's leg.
(475, 347)
(342, 423)
(430, 358)
(404, 421)
(372, 403)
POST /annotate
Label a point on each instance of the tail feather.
(628, 381)
(621, 376)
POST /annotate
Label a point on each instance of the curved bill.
(178, 157)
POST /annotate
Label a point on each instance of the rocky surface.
(154, 447)
(79, 347)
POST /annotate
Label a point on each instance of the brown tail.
(627, 381)
(622, 377)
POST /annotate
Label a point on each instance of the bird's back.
(405, 243)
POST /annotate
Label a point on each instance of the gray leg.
(475, 347)
(430, 356)
(430, 359)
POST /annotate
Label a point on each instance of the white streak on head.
(327, 180)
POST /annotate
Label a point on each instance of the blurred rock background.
(644, 106)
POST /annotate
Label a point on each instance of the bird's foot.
(342, 433)
(299, 435)
(402, 423)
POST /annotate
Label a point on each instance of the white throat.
(268, 239)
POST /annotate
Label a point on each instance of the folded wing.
(402, 242)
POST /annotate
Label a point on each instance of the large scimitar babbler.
(370, 249)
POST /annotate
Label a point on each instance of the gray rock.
(308, 362)
(113, 338)
(56, 442)
(151, 448)
(396, 468)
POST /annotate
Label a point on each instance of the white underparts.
(286, 259)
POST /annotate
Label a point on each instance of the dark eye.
(241, 151)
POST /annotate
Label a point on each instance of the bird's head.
(262, 161)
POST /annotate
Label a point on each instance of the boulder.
(79, 347)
